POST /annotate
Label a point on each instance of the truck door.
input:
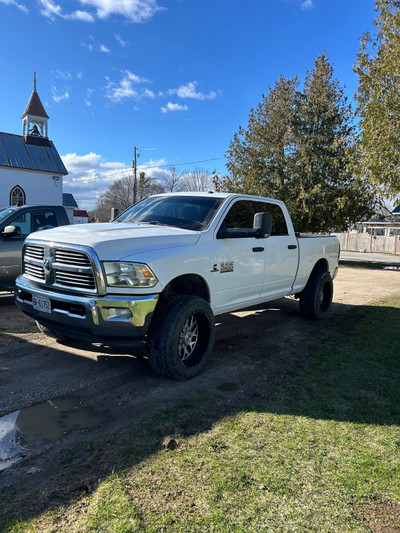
(281, 254)
(238, 263)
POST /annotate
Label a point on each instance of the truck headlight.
(119, 274)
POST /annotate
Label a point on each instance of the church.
(31, 169)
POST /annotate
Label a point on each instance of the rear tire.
(316, 298)
(181, 337)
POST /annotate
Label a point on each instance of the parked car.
(16, 223)
(166, 267)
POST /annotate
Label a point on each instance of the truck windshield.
(5, 211)
(186, 212)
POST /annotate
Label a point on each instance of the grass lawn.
(320, 452)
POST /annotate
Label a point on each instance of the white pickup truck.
(166, 267)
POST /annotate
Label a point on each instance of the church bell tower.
(34, 119)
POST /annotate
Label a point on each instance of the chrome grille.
(75, 279)
(70, 267)
(34, 271)
(71, 257)
(34, 252)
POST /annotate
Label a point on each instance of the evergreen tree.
(327, 193)
(298, 148)
(378, 99)
(259, 158)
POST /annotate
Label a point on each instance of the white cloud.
(49, 9)
(104, 49)
(189, 91)
(89, 176)
(63, 74)
(132, 10)
(21, 7)
(307, 4)
(57, 97)
(121, 40)
(126, 90)
(174, 107)
(88, 99)
(84, 16)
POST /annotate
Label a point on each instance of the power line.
(129, 169)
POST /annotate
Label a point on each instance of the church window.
(17, 196)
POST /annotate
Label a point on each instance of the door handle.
(292, 246)
(258, 249)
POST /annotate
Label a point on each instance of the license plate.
(41, 303)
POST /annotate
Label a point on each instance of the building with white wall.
(31, 170)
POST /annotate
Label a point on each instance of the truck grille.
(61, 266)
(35, 271)
(71, 257)
(34, 252)
(75, 279)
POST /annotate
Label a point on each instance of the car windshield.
(5, 211)
(186, 212)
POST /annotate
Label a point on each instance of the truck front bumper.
(107, 319)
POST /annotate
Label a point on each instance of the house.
(81, 216)
(31, 170)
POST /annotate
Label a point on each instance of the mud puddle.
(49, 421)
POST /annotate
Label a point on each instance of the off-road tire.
(181, 337)
(316, 298)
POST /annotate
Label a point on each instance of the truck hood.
(117, 241)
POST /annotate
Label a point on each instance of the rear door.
(281, 254)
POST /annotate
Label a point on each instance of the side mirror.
(11, 231)
(263, 224)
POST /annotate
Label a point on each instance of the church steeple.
(34, 118)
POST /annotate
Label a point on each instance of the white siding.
(39, 187)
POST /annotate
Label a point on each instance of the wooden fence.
(364, 242)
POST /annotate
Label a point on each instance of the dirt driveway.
(93, 389)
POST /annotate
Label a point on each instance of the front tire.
(316, 298)
(181, 337)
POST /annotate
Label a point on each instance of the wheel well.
(320, 266)
(188, 284)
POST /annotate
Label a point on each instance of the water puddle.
(42, 423)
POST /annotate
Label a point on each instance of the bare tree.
(172, 179)
(197, 180)
(120, 194)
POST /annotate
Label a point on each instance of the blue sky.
(175, 78)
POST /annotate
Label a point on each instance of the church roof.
(69, 200)
(30, 153)
(35, 106)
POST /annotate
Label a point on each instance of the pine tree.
(328, 194)
(299, 148)
(378, 99)
(259, 157)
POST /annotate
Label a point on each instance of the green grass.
(320, 452)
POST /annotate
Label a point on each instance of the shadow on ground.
(344, 369)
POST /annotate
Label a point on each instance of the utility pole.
(136, 153)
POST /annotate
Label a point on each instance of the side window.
(23, 222)
(44, 219)
(240, 215)
(279, 226)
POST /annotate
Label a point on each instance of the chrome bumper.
(110, 319)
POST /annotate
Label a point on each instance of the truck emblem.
(48, 264)
(226, 266)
